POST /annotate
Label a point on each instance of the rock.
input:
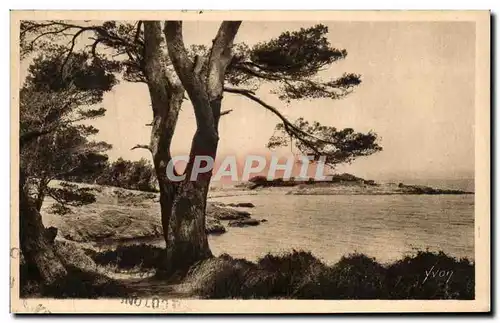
(263, 220)
(223, 213)
(243, 223)
(244, 204)
(111, 223)
(213, 226)
(71, 254)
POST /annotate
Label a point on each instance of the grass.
(77, 284)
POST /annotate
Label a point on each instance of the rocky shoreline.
(121, 215)
(379, 189)
(218, 211)
(343, 184)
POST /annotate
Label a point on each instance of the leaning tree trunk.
(36, 250)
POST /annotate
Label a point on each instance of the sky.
(417, 93)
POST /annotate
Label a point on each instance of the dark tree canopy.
(90, 57)
(135, 175)
(65, 80)
(337, 146)
(53, 144)
(290, 61)
(60, 91)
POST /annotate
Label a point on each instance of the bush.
(221, 277)
(297, 274)
(300, 275)
(288, 270)
(135, 175)
(128, 257)
(353, 277)
(59, 209)
(226, 277)
(418, 277)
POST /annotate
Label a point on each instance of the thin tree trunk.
(37, 252)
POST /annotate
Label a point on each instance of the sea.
(385, 227)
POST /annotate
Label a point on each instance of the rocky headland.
(343, 184)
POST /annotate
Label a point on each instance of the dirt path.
(150, 287)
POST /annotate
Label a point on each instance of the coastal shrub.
(288, 270)
(353, 277)
(134, 175)
(271, 277)
(227, 277)
(128, 257)
(429, 275)
(300, 275)
(218, 277)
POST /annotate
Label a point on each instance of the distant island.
(344, 184)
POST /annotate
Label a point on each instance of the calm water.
(384, 227)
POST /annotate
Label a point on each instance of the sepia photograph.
(193, 161)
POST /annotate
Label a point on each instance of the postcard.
(250, 161)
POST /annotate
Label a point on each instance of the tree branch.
(224, 39)
(103, 36)
(177, 51)
(52, 32)
(291, 128)
(238, 90)
(220, 57)
(250, 94)
(141, 147)
(222, 113)
(33, 134)
(195, 85)
(154, 67)
(73, 43)
(94, 46)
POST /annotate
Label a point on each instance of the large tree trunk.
(36, 250)
(188, 241)
(183, 204)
